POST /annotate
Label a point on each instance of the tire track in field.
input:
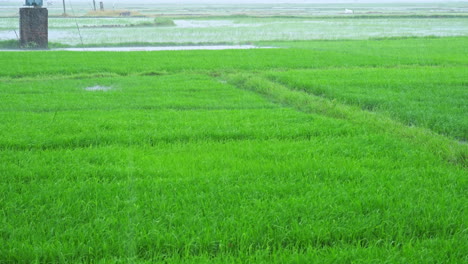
(447, 149)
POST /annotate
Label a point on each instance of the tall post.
(64, 9)
(94, 4)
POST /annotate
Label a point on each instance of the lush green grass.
(432, 97)
(305, 55)
(233, 156)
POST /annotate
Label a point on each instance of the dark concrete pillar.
(34, 24)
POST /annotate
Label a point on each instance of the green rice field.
(350, 151)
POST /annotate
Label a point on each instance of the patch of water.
(8, 34)
(203, 23)
(212, 47)
(225, 24)
(98, 88)
(169, 48)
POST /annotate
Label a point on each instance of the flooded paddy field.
(211, 22)
(237, 30)
(250, 8)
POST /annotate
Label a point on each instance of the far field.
(233, 23)
(322, 151)
(237, 30)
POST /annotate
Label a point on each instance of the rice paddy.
(239, 30)
(345, 143)
(216, 23)
(236, 156)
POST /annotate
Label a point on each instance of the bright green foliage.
(432, 97)
(316, 54)
(232, 156)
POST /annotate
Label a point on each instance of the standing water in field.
(98, 88)
(169, 48)
(234, 23)
(242, 30)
